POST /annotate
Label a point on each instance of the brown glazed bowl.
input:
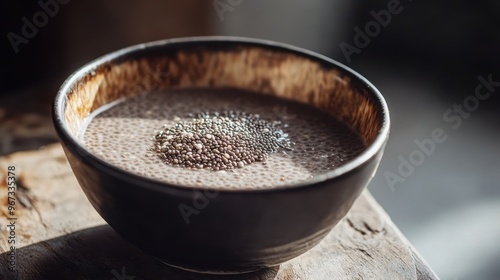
(234, 231)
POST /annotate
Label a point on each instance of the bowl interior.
(270, 69)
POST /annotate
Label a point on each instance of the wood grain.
(60, 236)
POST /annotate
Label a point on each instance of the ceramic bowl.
(237, 230)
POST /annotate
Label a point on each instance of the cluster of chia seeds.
(220, 141)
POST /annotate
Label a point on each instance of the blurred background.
(425, 57)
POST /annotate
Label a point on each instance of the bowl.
(232, 231)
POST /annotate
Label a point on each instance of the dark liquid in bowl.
(123, 136)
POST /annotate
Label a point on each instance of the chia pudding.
(219, 138)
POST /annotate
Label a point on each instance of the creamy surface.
(123, 136)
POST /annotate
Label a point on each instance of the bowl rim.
(84, 154)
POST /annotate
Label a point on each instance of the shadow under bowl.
(238, 230)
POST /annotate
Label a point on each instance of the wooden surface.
(60, 236)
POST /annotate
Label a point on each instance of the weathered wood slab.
(60, 236)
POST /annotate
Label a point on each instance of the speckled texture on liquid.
(122, 135)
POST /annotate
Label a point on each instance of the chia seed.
(220, 141)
